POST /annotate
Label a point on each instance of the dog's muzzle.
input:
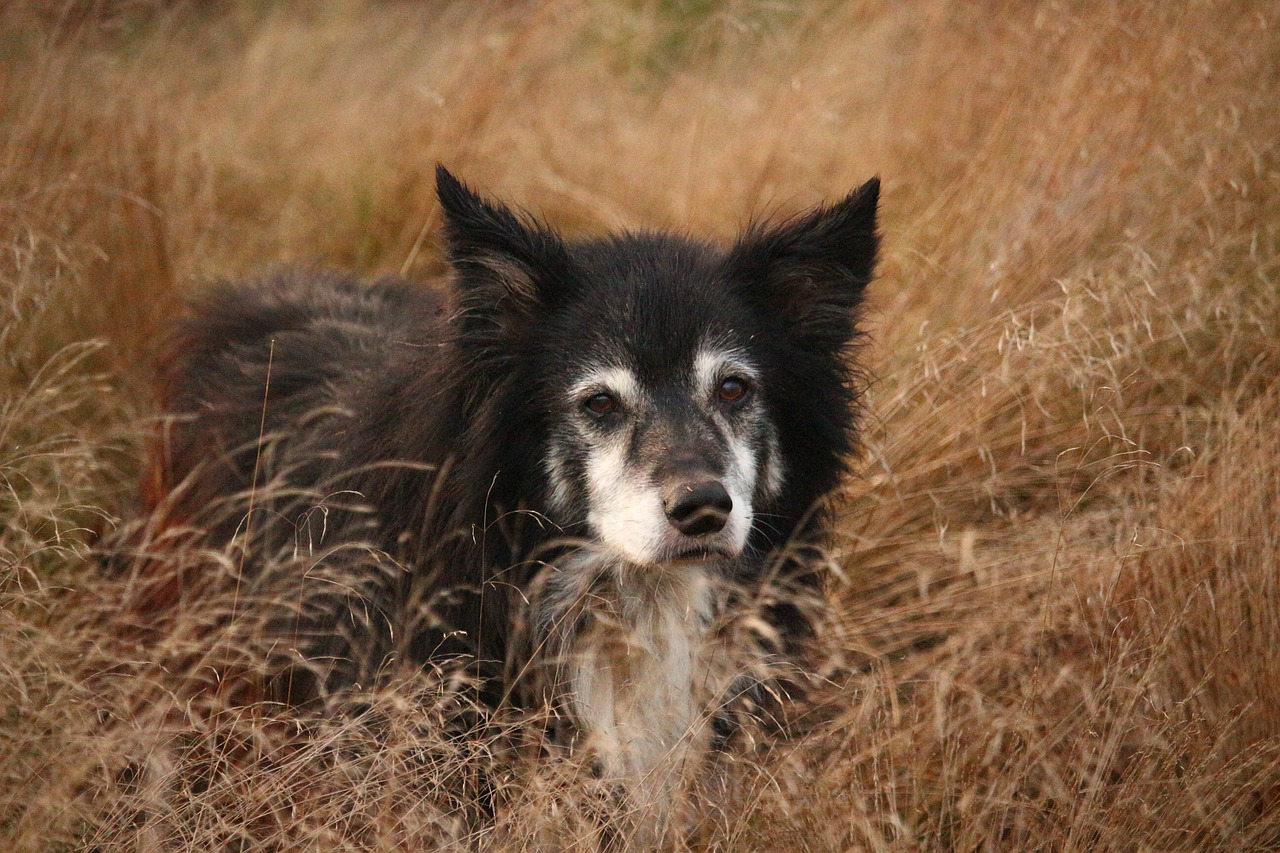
(697, 508)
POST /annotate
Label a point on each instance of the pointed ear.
(505, 264)
(810, 272)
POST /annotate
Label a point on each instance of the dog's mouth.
(699, 554)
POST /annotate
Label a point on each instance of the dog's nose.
(696, 509)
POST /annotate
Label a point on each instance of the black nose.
(696, 509)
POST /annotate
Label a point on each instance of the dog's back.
(278, 364)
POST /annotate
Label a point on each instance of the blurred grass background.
(1057, 566)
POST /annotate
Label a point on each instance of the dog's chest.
(642, 678)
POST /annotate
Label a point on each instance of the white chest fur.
(641, 674)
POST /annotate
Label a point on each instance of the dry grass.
(1058, 604)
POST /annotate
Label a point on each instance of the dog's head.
(681, 400)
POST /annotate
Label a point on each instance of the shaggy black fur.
(415, 423)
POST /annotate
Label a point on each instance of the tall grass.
(1056, 570)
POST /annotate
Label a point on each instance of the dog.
(557, 478)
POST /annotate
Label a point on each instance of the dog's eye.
(600, 404)
(733, 390)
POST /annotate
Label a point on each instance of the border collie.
(557, 479)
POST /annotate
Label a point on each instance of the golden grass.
(1058, 563)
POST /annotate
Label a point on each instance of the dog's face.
(667, 386)
(664, 466)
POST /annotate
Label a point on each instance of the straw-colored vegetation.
(1057, 604)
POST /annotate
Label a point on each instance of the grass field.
(1056, 572)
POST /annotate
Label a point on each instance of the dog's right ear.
(506, 265)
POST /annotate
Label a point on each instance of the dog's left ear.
(505, 265)
(811, 271)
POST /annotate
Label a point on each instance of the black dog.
(556, 480)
